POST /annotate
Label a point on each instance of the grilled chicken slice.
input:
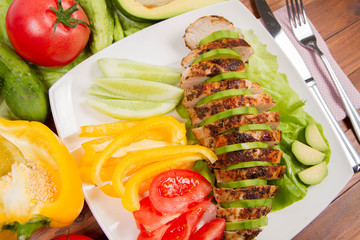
(261, 172)
(262, 102)
(244, 234)
(245, 193)
(215, 128)
(199, 72)
(197, 92)
(203, 27)
(242, 214)
(257, 154)
(237, 44)
(271, 137)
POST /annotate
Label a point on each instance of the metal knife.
(282, 39)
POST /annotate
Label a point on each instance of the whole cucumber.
(22, 90)
(101, 20)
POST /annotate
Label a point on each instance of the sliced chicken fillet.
(215, 128)
(261, 172)
(199, 72)
(202, 27)
(237, 44)
(197, 92)
(262, 102)
(242, 214)
(245, 193)
(244, 234)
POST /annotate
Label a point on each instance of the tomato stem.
(64, 16)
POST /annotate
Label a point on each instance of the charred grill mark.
(241, 214)
(261, 172)
(257, 154)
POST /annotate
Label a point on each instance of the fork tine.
(292, 22)
(295, 14)
(303, 14)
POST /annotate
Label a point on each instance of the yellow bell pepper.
(107, 129)
(46, 187)
(130, 200)
(135, 161)
(167, 124)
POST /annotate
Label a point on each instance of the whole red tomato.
(30, 26)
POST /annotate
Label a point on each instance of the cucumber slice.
(218, 35)
(315, 174)
(98, 91)
(228, 75)
(141, 89)
(253, 127)
(217, 54)
(240, 146)
(249, 224)
(247, 203)
(306, 154)
(243, 183)
(125, 68)
(314, 139)
(229, 113)
(201, 167)
(223, 94)
(246, 165)
(130, 109)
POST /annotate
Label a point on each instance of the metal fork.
(303, 33)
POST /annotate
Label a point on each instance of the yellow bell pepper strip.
(107, 129)
(168, 124)
(130, 200)
(135, 161)
(46, 187)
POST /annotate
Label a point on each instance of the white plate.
(163, 44)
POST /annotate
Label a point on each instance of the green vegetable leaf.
(25, 230)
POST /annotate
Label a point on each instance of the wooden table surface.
(338, 22)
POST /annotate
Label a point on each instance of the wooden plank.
(332, 16)
(340, 220)
(344, 45)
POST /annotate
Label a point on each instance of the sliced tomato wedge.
(157, 234)
(186, 224)
(212, 230)
(149, 218)
(172, 191)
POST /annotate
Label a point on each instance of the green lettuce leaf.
(262, 68)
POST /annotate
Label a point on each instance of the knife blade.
(275, 30)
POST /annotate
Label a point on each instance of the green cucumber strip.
(223, 94)
(99, 91)
(217, 54)
(247, 203)
(218, 35)
(229, 113)
(240, 146)
(227, 75)
(252, 127)
(243, 183)
(250, 224)
(246, 164)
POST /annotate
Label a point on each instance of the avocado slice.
(249, 224)
(240, 146)
(158, 9)
(314, 139)
(243, 183)
(306, 154)
(314, 174)
(246, 165)
(218, 35)
(217, 54)
(201, 167)
(229, 113)
(247, 203)
(223, 94)
(227, 75)
(253, 127)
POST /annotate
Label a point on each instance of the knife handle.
(355, 157)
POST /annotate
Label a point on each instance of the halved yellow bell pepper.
(107, 129)
(135, 161)
(167, 124)
(46, 186)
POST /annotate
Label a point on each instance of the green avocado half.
(158, 9)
